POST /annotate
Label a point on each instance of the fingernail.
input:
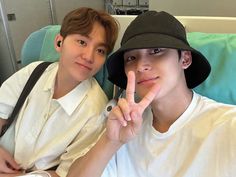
(129, 118)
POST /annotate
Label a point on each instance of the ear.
(58, 40)
(186, 59)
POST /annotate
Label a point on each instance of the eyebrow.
(102, 44)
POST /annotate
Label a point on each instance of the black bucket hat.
(156, 30)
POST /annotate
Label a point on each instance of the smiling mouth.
(147, 80)
(84, 66)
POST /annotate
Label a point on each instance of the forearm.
(94, 162)
(53, 174)
(9, 175)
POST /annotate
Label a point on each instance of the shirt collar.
(71, 100)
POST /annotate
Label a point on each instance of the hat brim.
(195, 74)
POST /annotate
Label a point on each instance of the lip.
(147, 80)
(84, 66)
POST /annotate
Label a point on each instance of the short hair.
(81, 21)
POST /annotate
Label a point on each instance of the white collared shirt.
(53, 131)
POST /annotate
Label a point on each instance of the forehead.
(147, 49)
(133, 51)
(96, 36)
(98, 30)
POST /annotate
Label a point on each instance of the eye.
(102, 51)
(129, 59)
(155, 51)
(82, 42)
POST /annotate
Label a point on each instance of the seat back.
(220, 50)
(39, 46)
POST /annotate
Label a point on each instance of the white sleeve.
(111, 168)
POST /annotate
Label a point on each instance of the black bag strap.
(38, 71)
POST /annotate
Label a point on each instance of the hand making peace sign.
(125, 119)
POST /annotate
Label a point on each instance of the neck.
(63, 85)
(166, 112)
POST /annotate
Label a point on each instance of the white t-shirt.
(50, 131)
(200, 143)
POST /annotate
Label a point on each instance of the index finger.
(130, 89)
(7, 168)
(148, 98)
(11, 163)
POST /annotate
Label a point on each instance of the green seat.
(220, 50)
(40, 46)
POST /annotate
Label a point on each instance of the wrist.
(113, 144)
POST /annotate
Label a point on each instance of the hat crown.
(155, 22)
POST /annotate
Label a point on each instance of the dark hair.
(179, 53)
(81, 21)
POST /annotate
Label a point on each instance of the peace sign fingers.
(148, 98)
(125, 120)
(130, 89)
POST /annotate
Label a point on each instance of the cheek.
(99, 63)
(128, 68)
(68, 52)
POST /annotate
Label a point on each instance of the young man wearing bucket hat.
(172, 131)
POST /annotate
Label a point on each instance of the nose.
(88, 54)
(143, 65)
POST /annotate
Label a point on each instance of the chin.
(80, 76)
(141, 94)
